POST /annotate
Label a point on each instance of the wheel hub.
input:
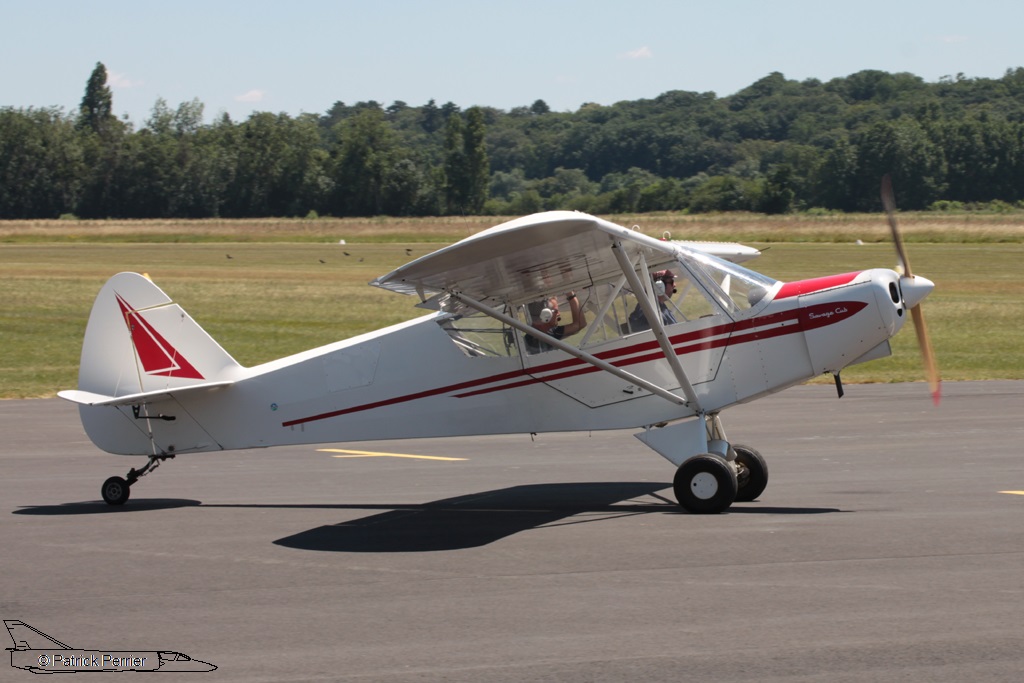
(704, 485)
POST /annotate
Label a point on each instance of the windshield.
(736, 289)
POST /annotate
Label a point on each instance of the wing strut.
(571, 350)
(654, 318)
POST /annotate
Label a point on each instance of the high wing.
(729, 251)
(530, 258)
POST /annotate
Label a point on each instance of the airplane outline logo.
(40, 653)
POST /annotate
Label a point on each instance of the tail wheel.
(115, 491)
(705, 484)
(753, 474)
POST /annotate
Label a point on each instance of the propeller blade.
(931, 368)
(889, 204)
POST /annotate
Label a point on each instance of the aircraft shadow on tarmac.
(482, 518)
(98, 507)
(451, 524)
(479, 518)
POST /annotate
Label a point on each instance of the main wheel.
(705, 484)
(115, 491)
(753, 474)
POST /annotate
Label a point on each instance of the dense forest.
(777, 146)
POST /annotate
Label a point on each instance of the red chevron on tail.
(157, 355)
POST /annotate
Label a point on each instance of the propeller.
(909, 283)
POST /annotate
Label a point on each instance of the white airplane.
(657, 335)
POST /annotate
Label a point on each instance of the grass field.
(288, 285)
(738, 226)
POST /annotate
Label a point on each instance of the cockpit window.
(735, 288)
(689, 301)
(696, 287)
(477, 334)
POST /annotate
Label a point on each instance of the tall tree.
(467, 170)
(454, 165)
(539, 107)
(97, 108)
(104, 142)
(478, 168)
(364, 165)
(431, 116)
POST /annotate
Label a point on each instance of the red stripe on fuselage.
(801, 287)
(805, 319)
(786, 322)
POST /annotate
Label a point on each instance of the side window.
(607, 310)
(696, 287)
(477, 335)
(680, 299)
(689, 301)
(611, 310)
(556, 316)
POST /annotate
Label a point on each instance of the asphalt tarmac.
(886, 547)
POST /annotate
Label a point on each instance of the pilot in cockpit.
(664, 287)
(545, 318)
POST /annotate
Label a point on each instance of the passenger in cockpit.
(664, 287)
(544, 318)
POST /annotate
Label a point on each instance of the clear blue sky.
(303, 55)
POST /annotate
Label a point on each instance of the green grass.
(271, 299)
(267, 301)
(736, 226)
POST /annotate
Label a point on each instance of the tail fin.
(27, 638)
(142, 355)
(139, 341)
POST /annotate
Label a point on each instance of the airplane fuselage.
(411, 380)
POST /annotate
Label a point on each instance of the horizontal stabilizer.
(88, 398)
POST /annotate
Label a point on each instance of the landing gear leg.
(711, 472)
(116, 490)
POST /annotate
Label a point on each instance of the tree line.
(776, 146)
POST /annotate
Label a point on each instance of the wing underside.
(527, 259)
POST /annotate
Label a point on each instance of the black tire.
(705, 484)
(753, 474)
(115, 491)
